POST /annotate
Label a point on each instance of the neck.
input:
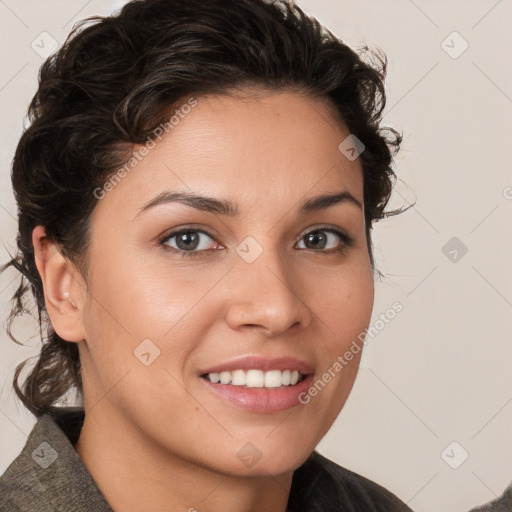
(133, 474)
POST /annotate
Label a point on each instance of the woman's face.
(269, 285)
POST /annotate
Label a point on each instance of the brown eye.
(316, 240)
(325, 239)
(191, 241)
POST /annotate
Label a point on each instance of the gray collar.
(48, 474)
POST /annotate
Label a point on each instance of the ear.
(63, 286)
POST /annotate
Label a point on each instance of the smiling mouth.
(254, 378)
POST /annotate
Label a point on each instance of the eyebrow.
(226, 207)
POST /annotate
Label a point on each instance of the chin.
(274, 463)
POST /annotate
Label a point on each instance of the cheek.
(140, 336)
(343, 302)
(343, 313)
(131, 300)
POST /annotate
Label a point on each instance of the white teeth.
(238, 378)
(273, 379)
(256, 378)
(225, 377)
(214, 377)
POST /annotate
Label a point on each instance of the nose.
(265, 295)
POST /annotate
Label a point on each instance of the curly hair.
(116, 78)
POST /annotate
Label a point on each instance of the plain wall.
(439, 372)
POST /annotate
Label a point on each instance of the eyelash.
(346, 241)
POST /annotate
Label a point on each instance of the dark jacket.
(502, 503)
(49, 475)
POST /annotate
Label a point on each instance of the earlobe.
(62, 292)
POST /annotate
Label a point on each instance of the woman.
(196, 194)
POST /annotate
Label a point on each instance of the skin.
(154, 435)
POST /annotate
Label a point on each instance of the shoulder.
(502, 503)
(322, 485)
(19, 485)
(48, 474)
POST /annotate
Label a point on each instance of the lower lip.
(261, 399)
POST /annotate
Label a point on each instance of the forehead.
(274, 147)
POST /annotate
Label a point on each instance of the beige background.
(439, 372)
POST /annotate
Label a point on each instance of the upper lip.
(261, 363)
